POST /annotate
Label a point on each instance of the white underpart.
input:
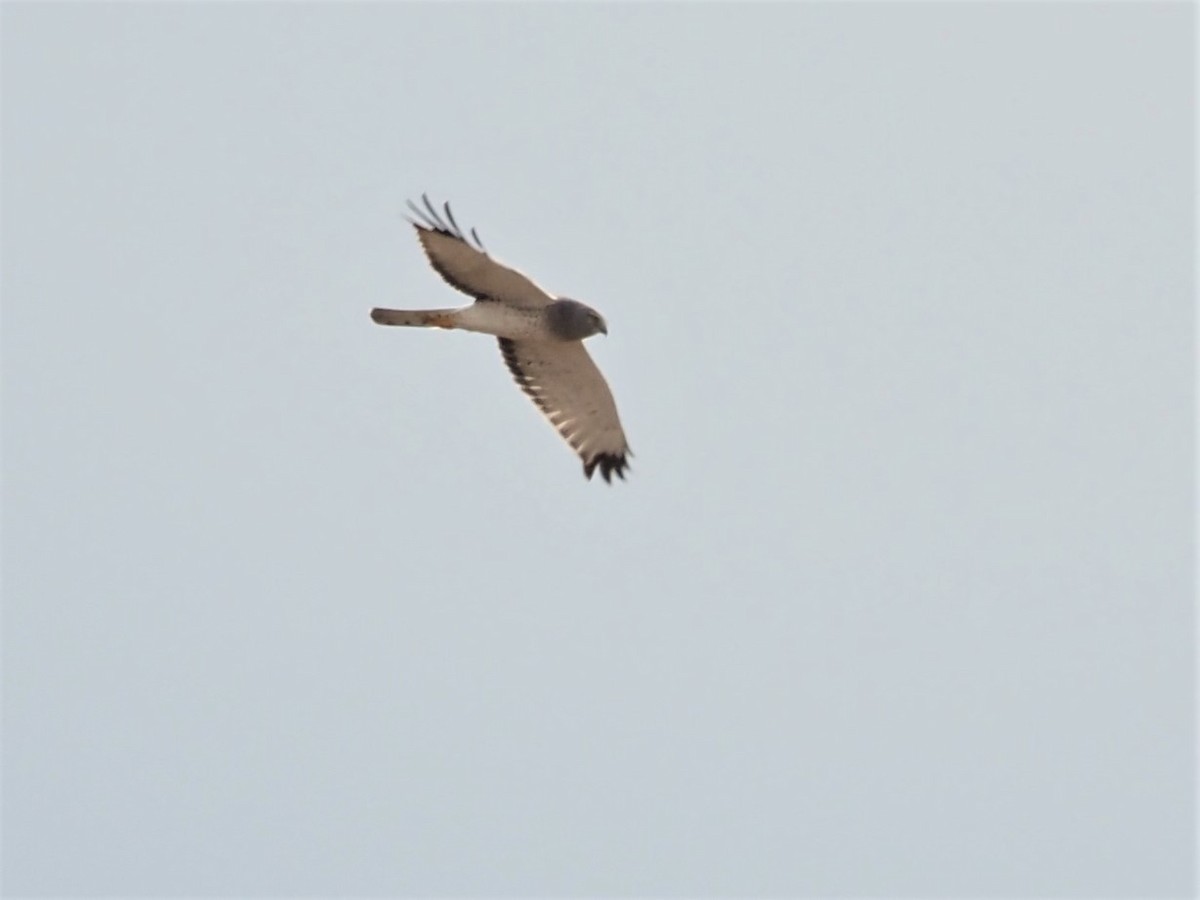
(502, 320)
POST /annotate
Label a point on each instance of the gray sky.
(897, 600)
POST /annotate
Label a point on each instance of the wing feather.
(566, 385)
(469, 268)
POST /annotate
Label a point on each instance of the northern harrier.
(541, 338)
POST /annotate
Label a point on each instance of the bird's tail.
(415, 318)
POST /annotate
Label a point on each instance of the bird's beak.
(604, 328)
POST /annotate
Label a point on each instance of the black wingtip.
(609, 464)
(429, 219)
(433, 214)
(449, 215)
(478, 242)
(421, 223)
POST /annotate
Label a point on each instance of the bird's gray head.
(571, 320)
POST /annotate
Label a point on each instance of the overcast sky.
(897, 600)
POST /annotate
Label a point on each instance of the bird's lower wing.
(565, 384)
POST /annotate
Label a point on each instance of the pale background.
(897, 600)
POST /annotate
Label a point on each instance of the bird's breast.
(502, 320)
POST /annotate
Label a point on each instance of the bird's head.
(571, 320)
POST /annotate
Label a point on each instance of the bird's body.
(541, 339)
(503, 321)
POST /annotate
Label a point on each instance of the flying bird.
(541, 338)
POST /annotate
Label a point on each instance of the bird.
(541, 337)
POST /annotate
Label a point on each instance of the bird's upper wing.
(566, 386)
(469, 268)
